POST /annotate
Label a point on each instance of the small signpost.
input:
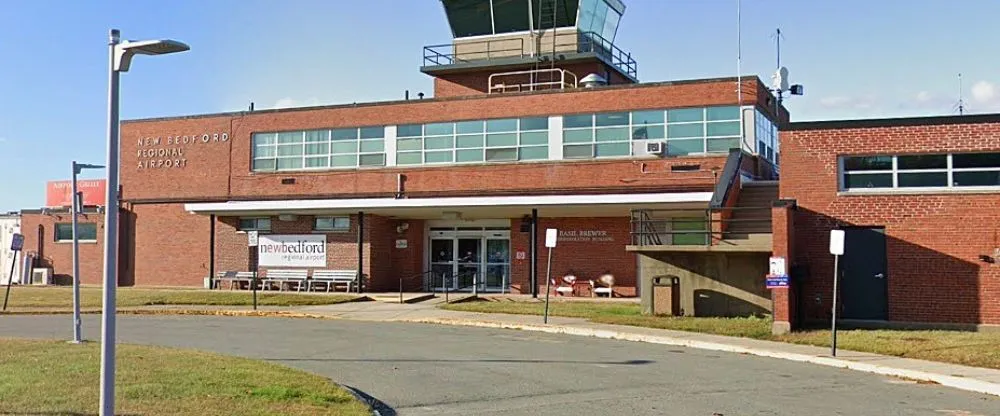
(253, 238)
(777, 276)
(550, 242)
(837, 249)
(16, 245)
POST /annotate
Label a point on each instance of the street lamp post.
(77, 206)
(121, 54)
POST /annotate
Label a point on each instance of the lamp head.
(126, 50)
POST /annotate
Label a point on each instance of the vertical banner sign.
(551, 235)
(837, 249)
(16, 245)
(252, 240)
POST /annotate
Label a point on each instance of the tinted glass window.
(880, 180)
(923, 162)
(909, 180)
(976, 160)
(976, 178)
(868, 163)
(469, 17)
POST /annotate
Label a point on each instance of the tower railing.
(503, 47)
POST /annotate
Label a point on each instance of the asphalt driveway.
(420, 369)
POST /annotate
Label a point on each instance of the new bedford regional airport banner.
(308, 250)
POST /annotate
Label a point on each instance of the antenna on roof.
(961, 101)
(251, 106)
(780, 78)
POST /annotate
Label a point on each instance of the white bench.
(330, 278)
(283, 277)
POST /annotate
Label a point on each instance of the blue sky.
(856, 59)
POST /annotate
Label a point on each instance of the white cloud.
(984, 92)
(289, 102)
(3, 139)
(924, 97)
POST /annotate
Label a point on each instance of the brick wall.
(170, 246)
(586, 258)
(933, 240)
(220, 169)
(59, 255)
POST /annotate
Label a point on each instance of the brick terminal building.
(543, 122)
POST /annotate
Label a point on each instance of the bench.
(330, 278)
(234, 278)
(285, 277)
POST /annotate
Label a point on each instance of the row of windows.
(957, 170)
(685, 131)
(473, 141)
(767, 137)
(329, 224)
(319, 149)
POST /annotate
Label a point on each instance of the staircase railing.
(697, 226)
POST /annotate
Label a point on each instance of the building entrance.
(461, 257)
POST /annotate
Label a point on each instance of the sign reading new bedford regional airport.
(308, 250)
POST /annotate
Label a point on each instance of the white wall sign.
(307, 250)
(402, 243)
(550, 237)
(837, 242)
(777, 267)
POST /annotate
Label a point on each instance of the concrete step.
(407, 297)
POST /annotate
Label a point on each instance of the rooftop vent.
(593, 80)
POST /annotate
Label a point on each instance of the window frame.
(894, 171)
(335, 229)
(256, 219)
(303, 155)
(69, 239)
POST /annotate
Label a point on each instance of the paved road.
(441, 370)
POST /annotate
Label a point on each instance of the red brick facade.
(935, 241)
(40, 241)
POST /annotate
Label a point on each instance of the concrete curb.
(961, 383)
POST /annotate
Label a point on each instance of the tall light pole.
(77, 206)
(121, 54)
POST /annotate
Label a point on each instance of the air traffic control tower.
(504, 46)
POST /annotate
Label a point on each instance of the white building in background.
(10, 224)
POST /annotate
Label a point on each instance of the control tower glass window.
(477, 17)
(597, 17)
(469, 17)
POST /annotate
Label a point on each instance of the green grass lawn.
(53, 377)
(90, 297)
(979, 349)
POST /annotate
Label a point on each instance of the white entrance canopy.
(596, 205)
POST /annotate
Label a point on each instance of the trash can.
(666, 295)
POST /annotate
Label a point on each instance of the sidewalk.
(980, 380)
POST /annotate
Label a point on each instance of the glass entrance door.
(458, 258)
(442, 263)
(497, 263)
(469, 262)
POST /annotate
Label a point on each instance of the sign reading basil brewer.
(171, 151)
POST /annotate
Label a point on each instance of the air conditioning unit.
(654, 148)
(41, 276)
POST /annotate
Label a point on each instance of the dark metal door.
(864, 289)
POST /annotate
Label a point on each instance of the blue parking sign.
(776, 281)
(17, 243)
